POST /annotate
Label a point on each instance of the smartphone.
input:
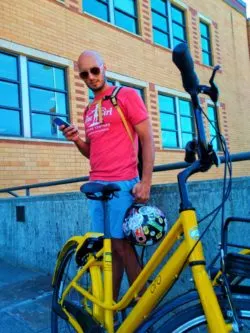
(59, 122)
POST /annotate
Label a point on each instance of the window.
(213, 127)
(177, 125)
(31, 95)
(10, 101)
(122, 13)
(205, 44)
(169, 26)
(48, 98)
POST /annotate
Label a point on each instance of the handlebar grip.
(183, 60)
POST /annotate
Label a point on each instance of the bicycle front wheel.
(66, 272)
(193, 320)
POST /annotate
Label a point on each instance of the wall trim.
(31, 52)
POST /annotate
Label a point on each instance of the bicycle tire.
(192, 319)
(67, 270)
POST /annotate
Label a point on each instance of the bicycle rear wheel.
(67, 271)
(193, 320)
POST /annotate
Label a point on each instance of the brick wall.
(61, 28)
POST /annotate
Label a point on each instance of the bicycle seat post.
(104, 193)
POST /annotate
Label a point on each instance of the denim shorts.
(115, 210)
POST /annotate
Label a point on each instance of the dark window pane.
(166, 103)
(8, 66)
(178, 31)
(9, 95)
(42, 100)
(128, 6)
(204, 29)
(211, 113)
(47, 101)
(185, 108)
(10, 122)
(46, 76)
(186, 124)
(213, 128)
(111, 82)
(168, 121)
(159, 22)
(97, 8)
(125, 22)
(159, 5)
(169, 139)
(185, 138)
(177, 15)
(161, 38)
(206, 59)
(205, 44)
(43, 126)
(176, 42)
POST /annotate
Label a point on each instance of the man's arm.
(145, 133)
(72, 134)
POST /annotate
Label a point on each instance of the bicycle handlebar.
(183, 60)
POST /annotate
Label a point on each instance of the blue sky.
(248, 7)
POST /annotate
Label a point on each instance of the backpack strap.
(113, 99)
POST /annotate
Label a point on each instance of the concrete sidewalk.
(25, 300)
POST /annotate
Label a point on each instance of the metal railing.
(244, 156)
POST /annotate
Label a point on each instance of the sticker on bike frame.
(194, 233)
(108, 257)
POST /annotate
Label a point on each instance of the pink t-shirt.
(112, 154)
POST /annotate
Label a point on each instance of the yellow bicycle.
(82, 281)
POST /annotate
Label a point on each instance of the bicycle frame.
(186, 230)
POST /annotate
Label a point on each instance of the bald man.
(113, 158)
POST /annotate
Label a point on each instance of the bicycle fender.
(73, 240)
(164, 309)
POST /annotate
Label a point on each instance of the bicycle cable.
(225, 193)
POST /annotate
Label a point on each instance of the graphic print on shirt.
(92, 123)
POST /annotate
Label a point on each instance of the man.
(113, 157)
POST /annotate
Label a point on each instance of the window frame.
(65, 116)
(111, 10)
(170, 33)
(216, 123)
(208, 39)
(18, 82)
(177, 96)
(24, 53)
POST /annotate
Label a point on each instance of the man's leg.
(124, 256)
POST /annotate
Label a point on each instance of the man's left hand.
(141, 192)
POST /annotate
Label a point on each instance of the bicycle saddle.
(98, 191)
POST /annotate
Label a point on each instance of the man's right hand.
(71, 132)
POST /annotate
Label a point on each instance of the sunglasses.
(94, 70)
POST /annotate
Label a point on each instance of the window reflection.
(205, 44)
(10, 122)
(8, 67)
(47, 99)
(177, 125)
(213, 127)
(10, 106)
(9, 95)
(122, 13)
(49, 76)
(162, 20)
(43, 127)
